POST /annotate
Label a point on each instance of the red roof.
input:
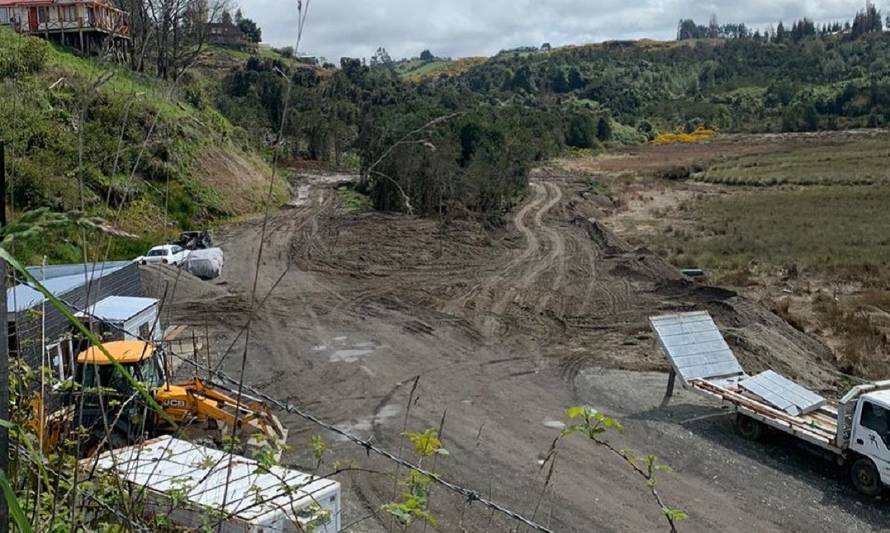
(5, 3)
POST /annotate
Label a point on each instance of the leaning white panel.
(783, 393)
(695, 347)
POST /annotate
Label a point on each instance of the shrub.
(698, 135)
(21, 55)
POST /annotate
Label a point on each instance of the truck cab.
(870, 440)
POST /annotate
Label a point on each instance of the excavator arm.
(196, 402)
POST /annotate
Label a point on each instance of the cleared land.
(505, 330)
(797, 222)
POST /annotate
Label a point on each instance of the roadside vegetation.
(148, 152)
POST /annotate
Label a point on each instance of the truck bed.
(819, 427)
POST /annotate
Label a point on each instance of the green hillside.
(152, 157)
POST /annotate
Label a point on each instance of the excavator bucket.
(208, 411)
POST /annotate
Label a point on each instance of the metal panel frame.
(781, 392)
(695, 347)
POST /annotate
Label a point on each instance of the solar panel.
(695, 347)
(783, 393)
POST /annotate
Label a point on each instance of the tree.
(713, 28)
(381, 58)
(582, 131)
(426, 55)
(781, 34)
(867, 21)
(523, 80)
(226, 18)
(546, 47)
(604, 129)
(559, 81)
(576, 79)
(688, 29)
(802, 29)
(174, 30)
(251, 31)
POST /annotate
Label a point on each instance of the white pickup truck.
(855, 429)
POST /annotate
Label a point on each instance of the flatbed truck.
(855, 430)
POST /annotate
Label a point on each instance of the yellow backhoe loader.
(106, 404)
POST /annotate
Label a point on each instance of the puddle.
(343, 349)
(349, 355)
(302, 197)
(365, 424)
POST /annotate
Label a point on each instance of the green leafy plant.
(413, 502)
(596, 426)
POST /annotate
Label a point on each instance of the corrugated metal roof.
(253, 492)
(783, 393)
(694, 346)
(118, 308)
(59, 279)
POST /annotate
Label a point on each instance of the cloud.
(458, 28)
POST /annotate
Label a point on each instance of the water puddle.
(365, 424)
(343, 349)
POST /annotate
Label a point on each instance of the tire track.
(532, 269)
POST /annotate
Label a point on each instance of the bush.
(21, 55)
(622, 134)
(582, 131)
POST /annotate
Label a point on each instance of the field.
(825, 162)
(836, 229)
(797, 222)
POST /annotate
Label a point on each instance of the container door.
(871, 437)
(32, 19)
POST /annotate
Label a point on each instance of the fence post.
(4, 351)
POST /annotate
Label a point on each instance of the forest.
(497, 118)
(448, 138)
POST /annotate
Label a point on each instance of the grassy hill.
(149, 157)
(415, 70)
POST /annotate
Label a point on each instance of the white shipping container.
(257, 500)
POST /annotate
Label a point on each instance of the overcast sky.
(459, 28)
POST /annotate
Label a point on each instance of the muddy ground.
(505, 329)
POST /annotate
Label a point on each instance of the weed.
(354, 200)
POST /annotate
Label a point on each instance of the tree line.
(866, 21)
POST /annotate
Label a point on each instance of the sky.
(460, 28)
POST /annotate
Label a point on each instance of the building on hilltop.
(87, 25)
(228, 35)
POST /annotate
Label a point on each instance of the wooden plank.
(766, 410)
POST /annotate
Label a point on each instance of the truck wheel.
(749, 428)
(865, 477)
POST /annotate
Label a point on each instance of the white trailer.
(131, 317)
(195, 487)
(855, 429)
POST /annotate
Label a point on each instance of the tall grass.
(859, 161)
(845, 230)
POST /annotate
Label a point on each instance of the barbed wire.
(470, 494)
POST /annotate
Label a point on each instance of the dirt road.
(504, 329)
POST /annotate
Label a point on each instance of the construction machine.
(115, 414)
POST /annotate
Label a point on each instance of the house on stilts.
(90, 26)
